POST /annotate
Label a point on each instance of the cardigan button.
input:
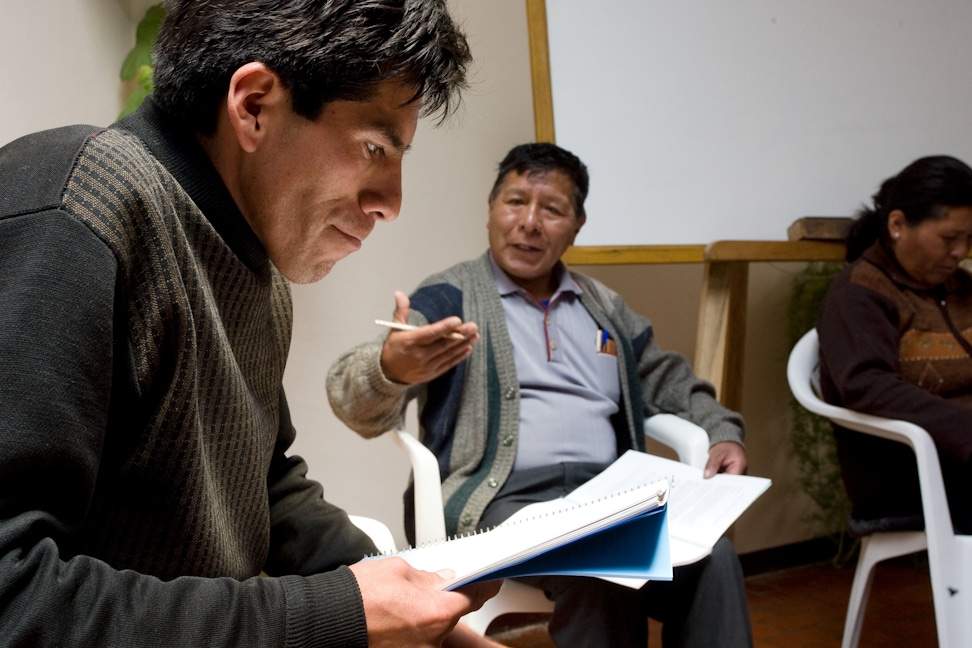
(492, 483)
(466, 520)
(510, 393)
(508, 440)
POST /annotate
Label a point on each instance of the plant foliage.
(812, 435)
(137, 66)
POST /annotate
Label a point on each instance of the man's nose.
(530, 218)
(961, 249)
(381, 199)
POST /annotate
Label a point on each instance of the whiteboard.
(705, 120)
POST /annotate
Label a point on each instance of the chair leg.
(875, 548)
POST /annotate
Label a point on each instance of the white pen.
(398, 326)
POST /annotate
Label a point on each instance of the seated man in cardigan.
(547, 383)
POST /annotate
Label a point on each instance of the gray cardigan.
(469, 416)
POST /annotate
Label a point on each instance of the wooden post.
(720, 342)
(543, 116)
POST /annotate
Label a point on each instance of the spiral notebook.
(605, 528)
(622, 535)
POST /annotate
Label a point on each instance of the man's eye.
(374, 149)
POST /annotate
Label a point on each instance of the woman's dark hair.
(922, 190)
(322, 50)
(543, 158)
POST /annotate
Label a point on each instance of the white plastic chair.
(690, 442)
(949, 555)
(380, 534)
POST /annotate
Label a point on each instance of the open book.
(622, 534)
(700, 510)
(604, 528)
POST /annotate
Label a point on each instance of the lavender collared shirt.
(569, 384)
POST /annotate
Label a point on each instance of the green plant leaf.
(145, 34)
(142, 90)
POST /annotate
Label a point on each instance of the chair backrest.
(800, 370)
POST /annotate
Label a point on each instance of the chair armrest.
(689, 441)
(380, 534)
(429, 516)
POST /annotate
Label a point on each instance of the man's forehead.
(555, 179)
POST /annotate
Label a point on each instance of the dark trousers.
(704, 605)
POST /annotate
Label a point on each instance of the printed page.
(699, 510)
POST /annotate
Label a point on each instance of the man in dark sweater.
(146, 318)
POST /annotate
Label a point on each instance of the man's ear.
(255, 93)
(580, 223)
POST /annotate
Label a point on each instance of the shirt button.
(553, 344)
(508, 440)
(547, 320)
(466, 520)
(510, 393)
(492, 483)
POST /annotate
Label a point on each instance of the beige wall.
(447, 176)
(59, 62)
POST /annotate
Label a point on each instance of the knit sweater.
(469, 416)
(892, 348)
(144, 480)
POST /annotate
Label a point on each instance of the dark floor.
(804, 607)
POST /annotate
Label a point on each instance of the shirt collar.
(506, 285)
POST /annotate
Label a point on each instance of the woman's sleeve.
(858, 329)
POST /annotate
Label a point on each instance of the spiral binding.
(660, 495)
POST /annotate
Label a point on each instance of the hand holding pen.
(412, 355)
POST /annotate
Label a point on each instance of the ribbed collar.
(177, 149)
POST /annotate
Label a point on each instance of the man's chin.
(307, 275)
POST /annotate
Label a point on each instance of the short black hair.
(923, 190)
(322, 50)
(543, 157)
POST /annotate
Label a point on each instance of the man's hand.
(727, 457)
(411, 357)
(403, 608)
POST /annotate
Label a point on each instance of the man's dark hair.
(923, 190)
(540, 158)
(322, 50)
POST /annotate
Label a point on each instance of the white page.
(699, 510)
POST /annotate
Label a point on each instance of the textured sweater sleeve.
(670, 386)
(56, 372)
(360, 394)
(858, 329)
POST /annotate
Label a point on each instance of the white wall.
(730, 120)
(59, 62)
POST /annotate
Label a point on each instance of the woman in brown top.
(896, 341)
